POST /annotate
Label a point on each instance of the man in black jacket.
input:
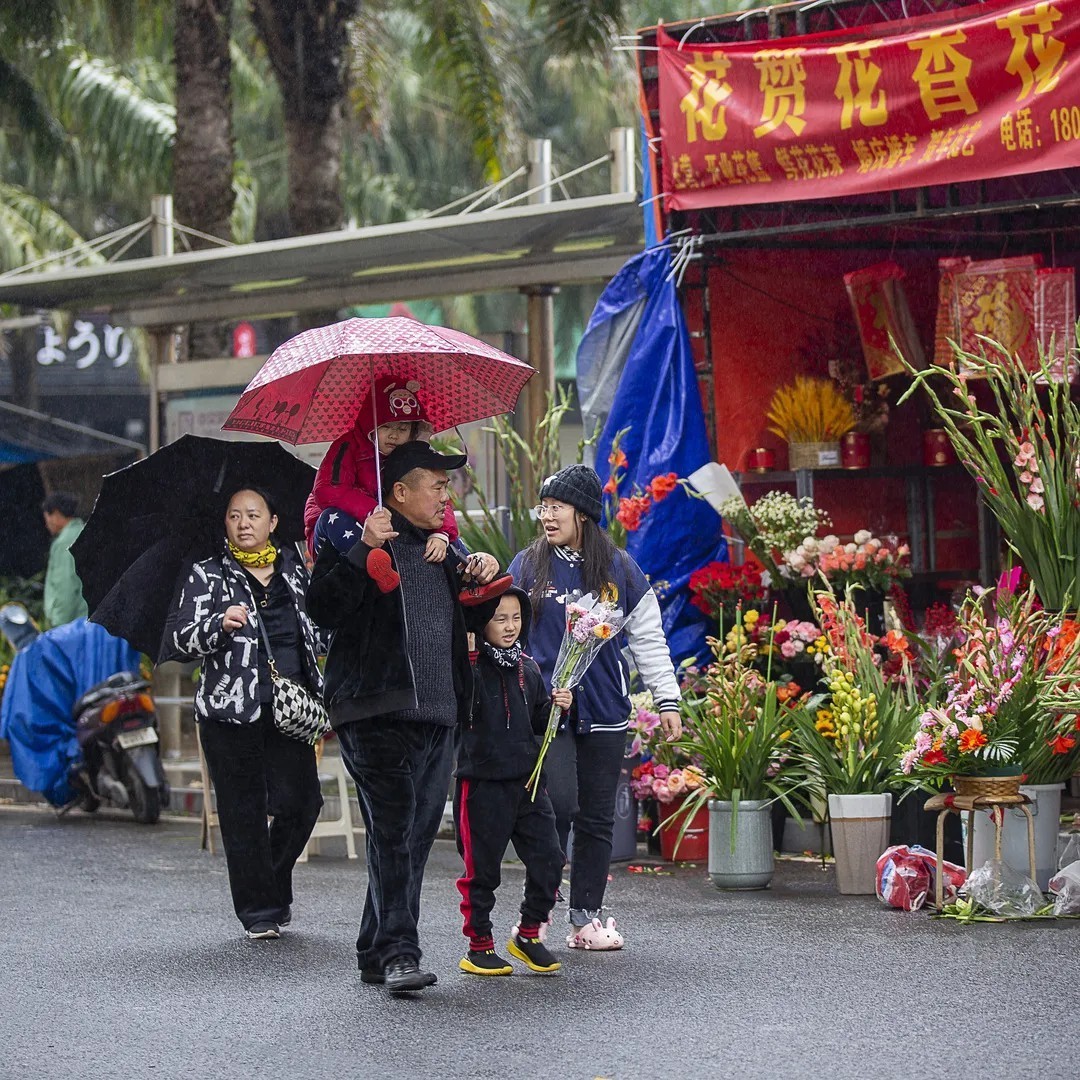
(397, 683)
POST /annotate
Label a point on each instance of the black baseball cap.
(417, 455)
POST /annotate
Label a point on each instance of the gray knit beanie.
(578, 486)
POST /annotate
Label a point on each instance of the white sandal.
(596, 937)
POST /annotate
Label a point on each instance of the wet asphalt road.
(120, 957)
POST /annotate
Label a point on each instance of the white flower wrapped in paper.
(590, 624)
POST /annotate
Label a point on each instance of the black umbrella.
(154, 517)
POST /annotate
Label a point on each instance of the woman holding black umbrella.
(229, 606)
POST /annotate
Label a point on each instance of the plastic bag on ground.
(999, 888)
(1065, 885)
(1071, 853)
(905, 877)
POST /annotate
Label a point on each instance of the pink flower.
(675, 782)
(923, 742)
(660, 790)
(788, 650)
(907, 762)
(661, 772)
(1036, 502)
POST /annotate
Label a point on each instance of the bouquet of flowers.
(1024, 454)
(719, 588)
(653, 779)
(775, 524)
(810, 410)
(852, 748)
(867, 562)
(1010, 701)
(738, 728)
(590, 624)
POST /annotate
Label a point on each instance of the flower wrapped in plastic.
(590, 624)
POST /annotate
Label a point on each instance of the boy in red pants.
(496, 752)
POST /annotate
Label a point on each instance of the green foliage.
(538, 457)
(1024, 455)
(30, 592)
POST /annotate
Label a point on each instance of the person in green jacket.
(63, 591)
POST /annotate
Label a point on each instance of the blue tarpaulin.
(45, 681)
(635, 367)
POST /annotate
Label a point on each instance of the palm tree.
(203, 155)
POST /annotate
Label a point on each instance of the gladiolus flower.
(662, 486)
(1061, 744)
(617, 459)
(611, 487)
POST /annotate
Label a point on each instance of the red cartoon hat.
(395, 402)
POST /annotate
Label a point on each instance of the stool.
(209, 813)
(949, 803)
(332, 768)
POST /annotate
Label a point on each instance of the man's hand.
(671, 723)
(481, 567)
(435, 548)
(377, 528)
(235, 617)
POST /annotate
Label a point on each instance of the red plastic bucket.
(694, 844)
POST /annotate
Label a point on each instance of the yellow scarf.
(255, 560)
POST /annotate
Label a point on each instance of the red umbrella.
(314, 386)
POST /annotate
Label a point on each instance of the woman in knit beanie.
(573, 556)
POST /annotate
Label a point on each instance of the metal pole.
(162, 350)
(540, 313)
(540, 171)
(161, 338)
(621, 143)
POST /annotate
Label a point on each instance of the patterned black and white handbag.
(297, 713)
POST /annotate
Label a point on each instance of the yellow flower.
(751, 617)
(603, 631)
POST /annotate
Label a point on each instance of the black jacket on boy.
(501, 739)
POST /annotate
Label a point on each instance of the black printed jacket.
(228, 686)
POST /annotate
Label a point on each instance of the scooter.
(116, 726)
(17, 626)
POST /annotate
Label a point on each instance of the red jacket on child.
(346, 481)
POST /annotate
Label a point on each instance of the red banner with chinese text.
(966, 94)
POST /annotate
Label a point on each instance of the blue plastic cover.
(45, 681)
(657, 398)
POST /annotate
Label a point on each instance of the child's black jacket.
(510, 711)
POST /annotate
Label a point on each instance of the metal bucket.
(740, 844)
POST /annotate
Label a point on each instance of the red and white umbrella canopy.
(315, 386)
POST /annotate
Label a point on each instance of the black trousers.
(488, 814)
(582, 776)
(402, 774)
(258, 772)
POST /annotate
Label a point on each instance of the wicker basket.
(814, 455)
(987, 787)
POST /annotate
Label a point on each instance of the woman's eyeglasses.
(542, 511)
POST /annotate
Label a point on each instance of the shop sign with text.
(965, 94)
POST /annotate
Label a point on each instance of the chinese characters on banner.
(87, 344)
(967, 94)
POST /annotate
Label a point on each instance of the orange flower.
(1061, 744)
(971, 740)
(896, 642)
(612, 486)
(662, 486)
(1063, 645)
(617, 459)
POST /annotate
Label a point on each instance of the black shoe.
(262, 931)
(533, 953)
(402, 975)
(484, 962)
(372, 976)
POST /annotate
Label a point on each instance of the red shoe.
(472, 595)
(381, 570)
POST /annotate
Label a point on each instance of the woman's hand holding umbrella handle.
(235, 617)
(377, 528)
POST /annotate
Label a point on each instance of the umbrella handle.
(375, 439)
